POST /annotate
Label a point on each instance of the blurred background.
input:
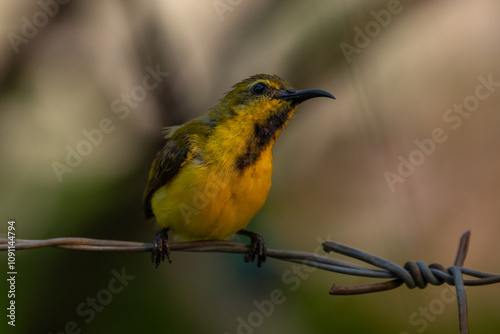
(400, 165)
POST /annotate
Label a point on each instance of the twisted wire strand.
(413, 274)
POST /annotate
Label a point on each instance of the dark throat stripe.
(265, 135)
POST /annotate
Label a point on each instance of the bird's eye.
(259, 88)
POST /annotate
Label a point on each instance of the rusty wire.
(413, 274)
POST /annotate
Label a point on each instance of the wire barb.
(413, 274)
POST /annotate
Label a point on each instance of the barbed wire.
(413, 274)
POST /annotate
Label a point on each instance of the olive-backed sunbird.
(214, 172)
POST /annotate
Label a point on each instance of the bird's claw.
(257, 249)
(161, 248)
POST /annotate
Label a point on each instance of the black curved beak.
(299, 96)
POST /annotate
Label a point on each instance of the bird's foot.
(257, 247)
(161, 248)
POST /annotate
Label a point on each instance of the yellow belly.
(213, 202)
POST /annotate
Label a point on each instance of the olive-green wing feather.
(166, 165)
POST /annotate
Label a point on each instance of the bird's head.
(266, 101)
